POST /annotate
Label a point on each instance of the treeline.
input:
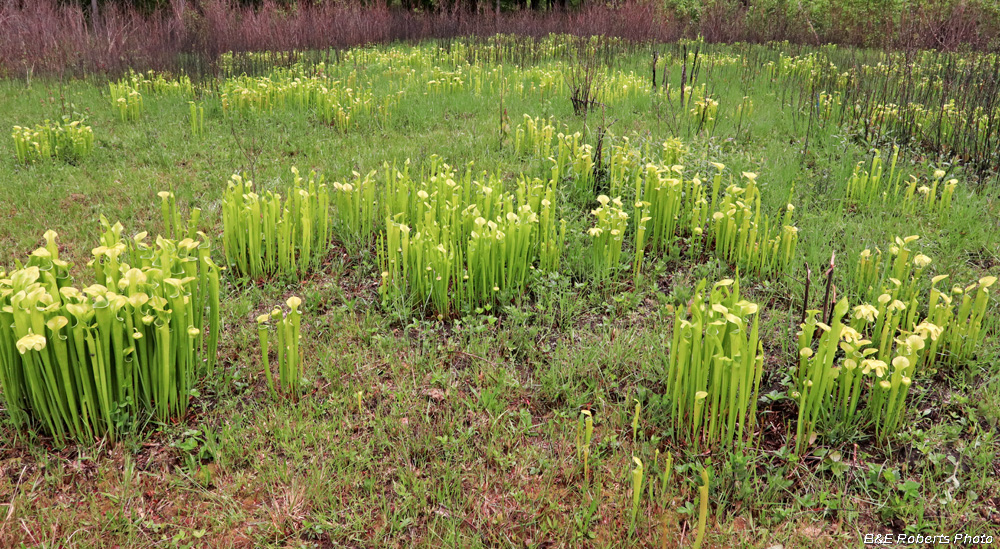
(151, 6)
(822, 15)
(79, 36)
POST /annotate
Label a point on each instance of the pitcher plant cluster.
(65, 139)
(898, 291)
(872, 187)
(287, 335)
(85, 363)
(341, 103)
(714, 367)
(455, 239)
(269, 234)
(126, 100)
(859, 368)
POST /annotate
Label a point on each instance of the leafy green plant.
(267, 235)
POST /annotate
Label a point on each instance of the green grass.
(462, 432)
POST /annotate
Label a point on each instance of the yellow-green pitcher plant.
(714, 367)
(269, 234)
(87, 363)
(65, 139)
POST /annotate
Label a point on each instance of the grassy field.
(525, 415)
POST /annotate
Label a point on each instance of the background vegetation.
(514, 421)
(51, 37)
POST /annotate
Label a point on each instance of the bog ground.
(503, 292)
